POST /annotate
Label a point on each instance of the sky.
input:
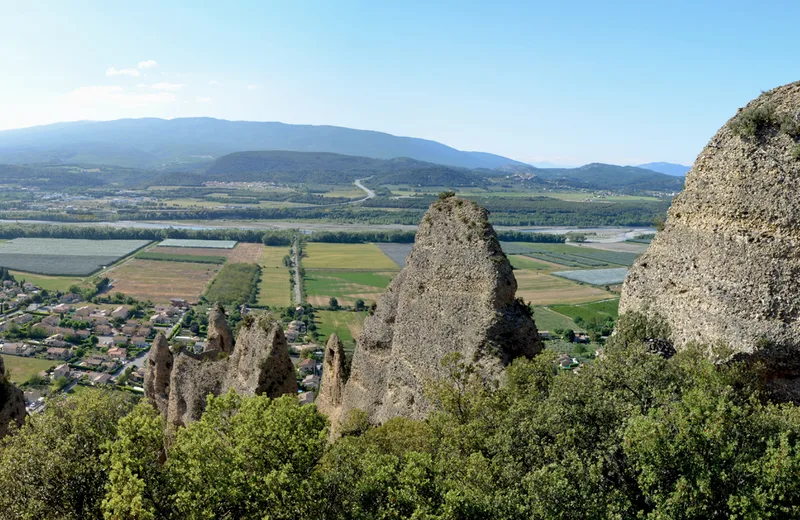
(566, 82)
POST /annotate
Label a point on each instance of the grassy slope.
(345, 323)
(23, 368)
(51, 283)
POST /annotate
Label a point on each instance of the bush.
(754, 120)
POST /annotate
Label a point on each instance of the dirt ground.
(245, 253)
(160, 281)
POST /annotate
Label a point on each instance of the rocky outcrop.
(178, 384)
(219, 336)
(456, 294)
(725, 267)
(329, 400)
(12, 403)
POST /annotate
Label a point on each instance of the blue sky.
(568, 82)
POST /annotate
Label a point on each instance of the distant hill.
(677, 170)
(166, 144)
(599, 176)
(331, 168)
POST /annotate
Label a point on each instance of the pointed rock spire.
(332, 387)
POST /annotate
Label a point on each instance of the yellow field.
(544, 289)
(160, 281)
(274, 289)
(51, 283)
(347, 256)
(23, 368)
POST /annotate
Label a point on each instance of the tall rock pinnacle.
(12, 403)
(332, 388)
(456, 294)
(725, 267)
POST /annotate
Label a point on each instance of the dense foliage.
(633, 435)
(235, 284)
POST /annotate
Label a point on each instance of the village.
(106, 344)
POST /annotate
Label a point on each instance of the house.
(70, 298)
(306, 398)
(291, 336)
(120, 340)
(310, 381)
(297, 325)
(179, 303)
(105, 341)
(544, 334)
(54, 341)
(308, 366)
(82, 333)
(28, 286)
(15, 349)
(103, 329)
(139, 341)
(100, 379)
(85, 311)
(59, 353)
(129, 330)
(51, 320)
(98, 319)
(61, 371)
(120, 312)
(144, 331)
(62, 308)
(22, 319)
(137, 376)
(93, 362)
(117, 353)
(132, 323)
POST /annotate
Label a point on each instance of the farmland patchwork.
(63, 256)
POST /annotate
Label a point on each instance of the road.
(298, 288)
(369, 192)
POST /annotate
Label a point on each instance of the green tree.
(333, 303)
(359, 305)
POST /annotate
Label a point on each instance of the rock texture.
(12, 403)
(456, 294)
(725, 267)
(219, 336)
(178, 384)
(329, 400)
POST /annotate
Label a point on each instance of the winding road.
(369, 192)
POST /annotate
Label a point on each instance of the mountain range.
(677, 170)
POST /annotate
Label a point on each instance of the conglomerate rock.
(331, 389)
(456, 294)
(219, 336)
(12, 403)
(178, 384)
(725, 268)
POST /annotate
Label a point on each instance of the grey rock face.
(726, 265)
(219, 336)
(179, 384)
(456, 294)
(12, 403)
(331, 390)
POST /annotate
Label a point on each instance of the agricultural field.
(213, 244)
(589, 311)
(50, 283)
(543, 289)
(397, 252)
(345, 286)
(549, 320)
(23, 368)
(346, 256)
(235, 284)
(198, 251)
(274, 289)
(346, 324)
(159, 281)
(61, 256)
(246, 253)
(571, 256)
(596, 276)
(170, 257)
(524, 262)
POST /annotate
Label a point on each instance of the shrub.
(754, 120)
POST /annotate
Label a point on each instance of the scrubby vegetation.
(633, 435)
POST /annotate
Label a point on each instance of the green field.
(167, 257)
(571, 256)
(549, 320)
(23, 368)
(589, 311)
(235, 284)
(525, 263)
(214, 244)
(347, 256)
(345, 286)
(274, 289)
(346, 324)
(51, 283)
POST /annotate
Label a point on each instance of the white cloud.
(171, 87)
(214, 83)
(113, 71)
(148, 64)
(97, 94)
(252, 87)
(201, 99)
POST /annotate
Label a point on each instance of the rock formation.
(331, 389)
(219, 336)
(725, 267)
(179, 383)
(456, 294)
(12, 402)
